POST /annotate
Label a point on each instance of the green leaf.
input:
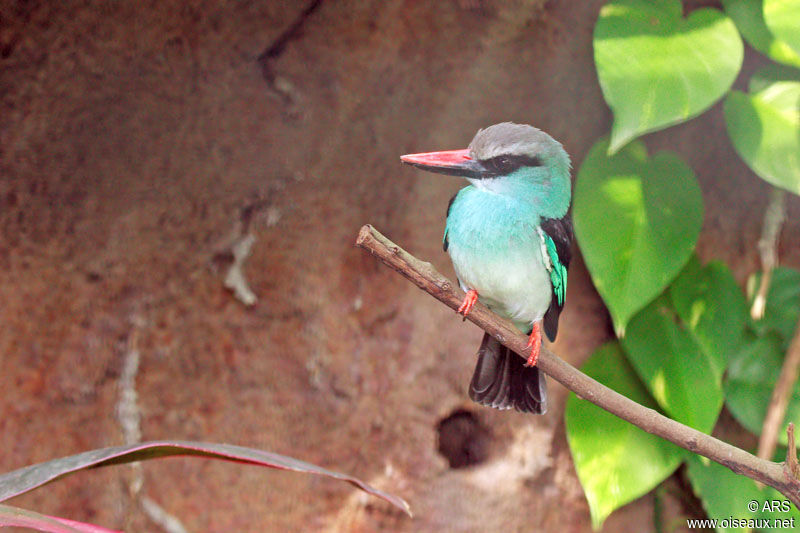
(783, 20)
(765, 130)
(713, 309)
(616, 461)
(657, 68)
(726, 495)
(637, 220)
(675, 369)
(783, 304)
(748, 15)
(749, 383)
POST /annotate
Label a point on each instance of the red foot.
(535, 344)
(469, 302)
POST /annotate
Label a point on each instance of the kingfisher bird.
(508, 234)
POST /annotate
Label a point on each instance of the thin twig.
(767, 248)
(774, 217)
(780, 399)
(791, 451)
(428, 279)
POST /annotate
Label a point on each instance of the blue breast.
(496, 250)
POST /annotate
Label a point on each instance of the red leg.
(535, 344)
(469, 302)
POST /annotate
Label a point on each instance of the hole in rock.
(463, 440)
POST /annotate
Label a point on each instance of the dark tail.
(501, 380)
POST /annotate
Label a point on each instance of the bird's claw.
(469, 302)
(535, 344)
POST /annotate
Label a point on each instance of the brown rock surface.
(134, 138)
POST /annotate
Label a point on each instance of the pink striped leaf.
(14, 516)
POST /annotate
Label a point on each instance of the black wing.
(445, 242)
(560, 232)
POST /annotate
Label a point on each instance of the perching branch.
(426, 277)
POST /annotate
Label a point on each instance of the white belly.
(496, 249)
(510, 279)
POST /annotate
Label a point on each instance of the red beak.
(452, 162)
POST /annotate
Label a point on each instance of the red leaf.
(14, 516)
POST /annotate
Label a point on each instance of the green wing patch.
(558, 272)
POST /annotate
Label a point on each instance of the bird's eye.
(501, 164)
(504, 164)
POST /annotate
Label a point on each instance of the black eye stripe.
(505, 164)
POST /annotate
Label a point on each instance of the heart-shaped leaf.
(713, 309)
(749, 383)
(765, 130)
(675, 369)
(783, 20)
(616, 461)
(657, 68)
(748, 15)
(755, 369)
(637, 221)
